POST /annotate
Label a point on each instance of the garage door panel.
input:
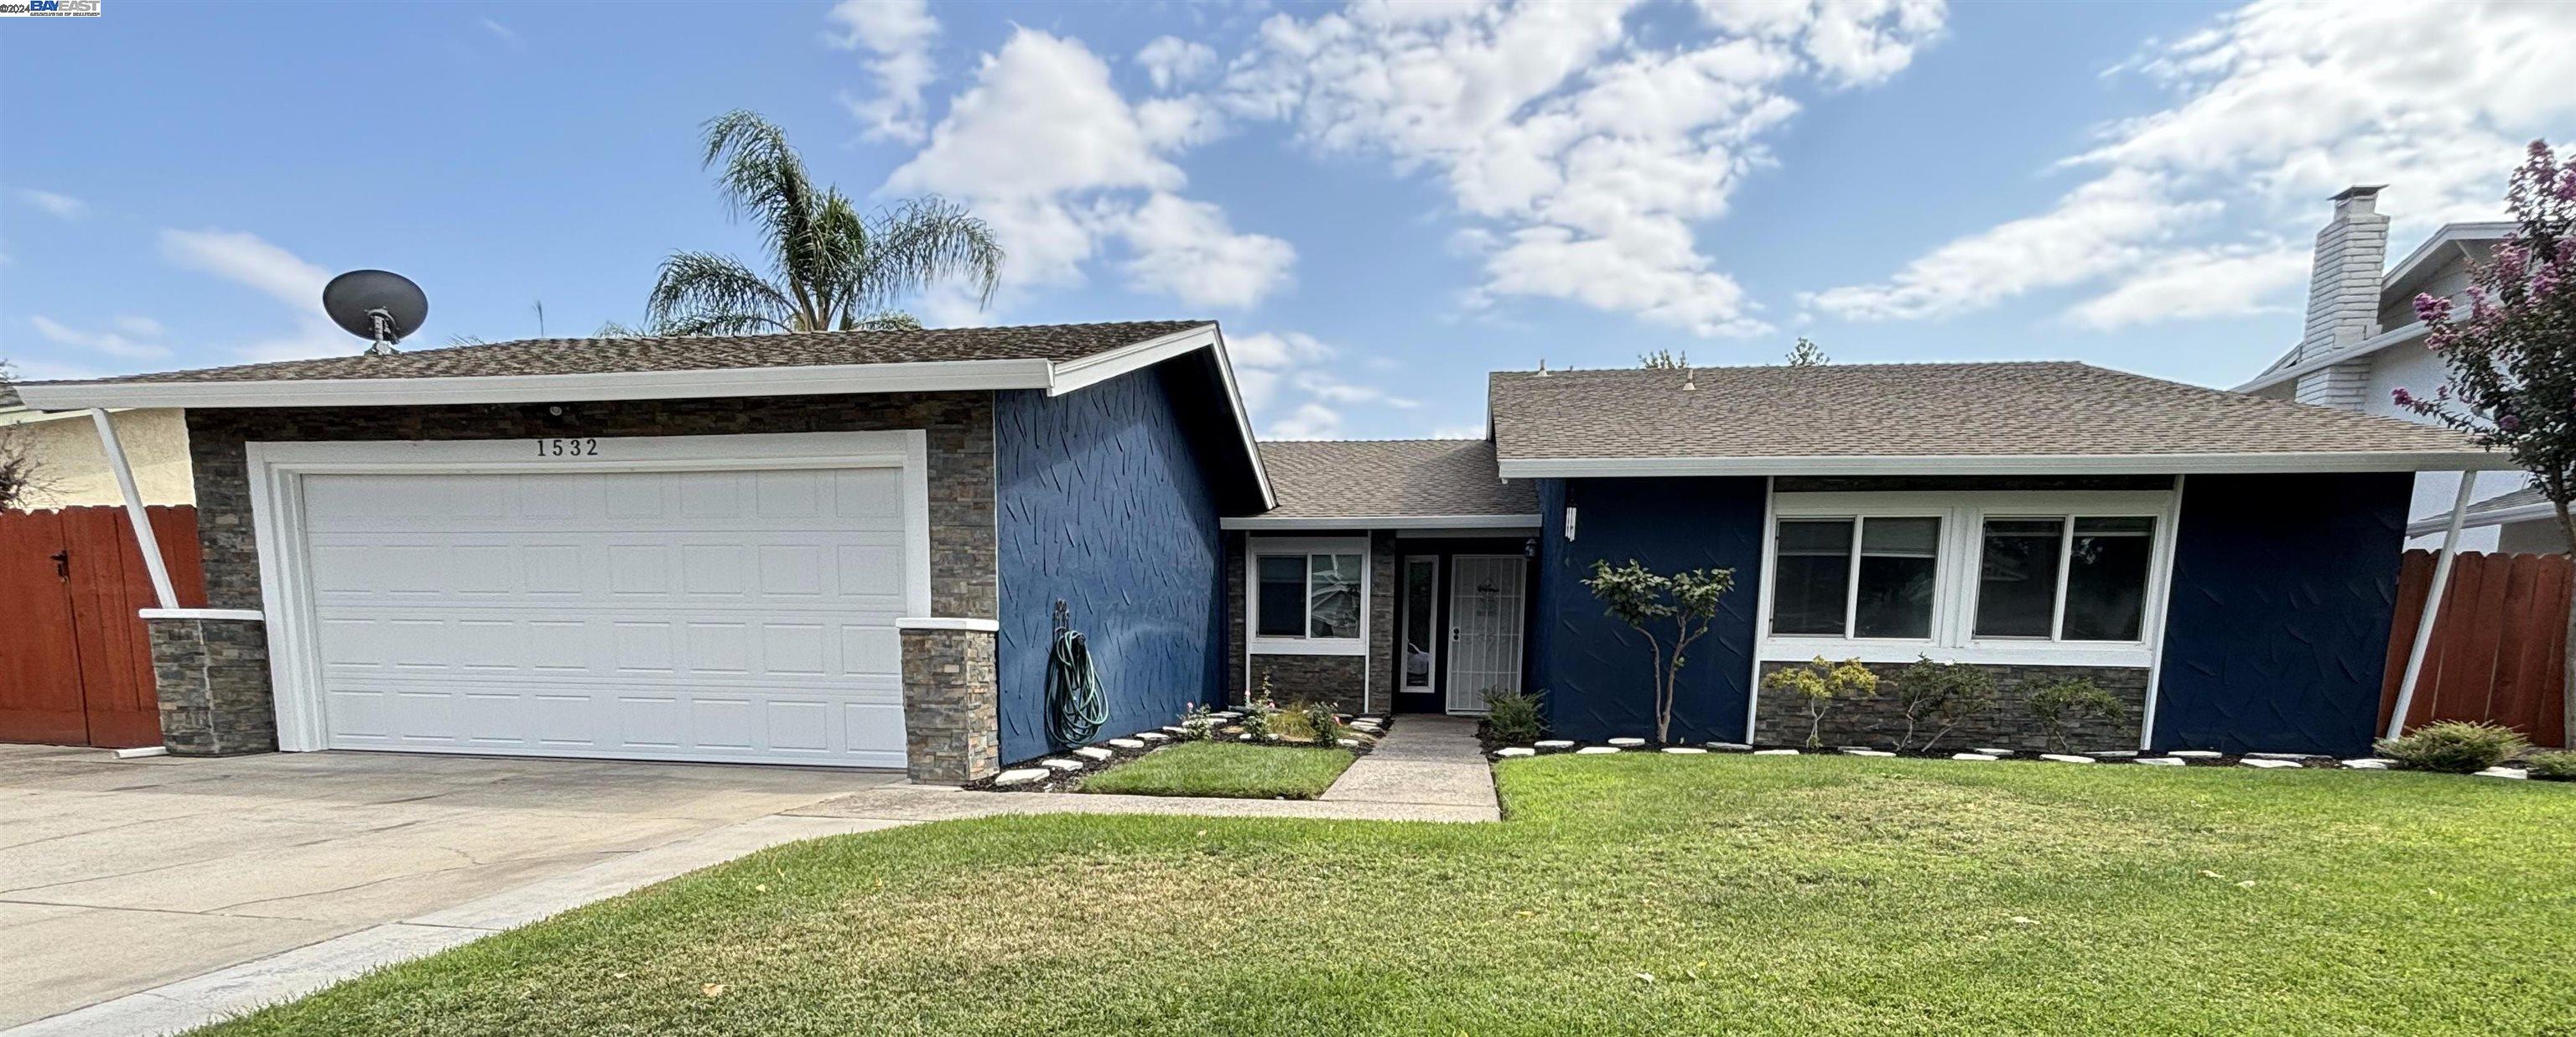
(712, 615)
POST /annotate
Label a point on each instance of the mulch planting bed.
(1062, 778)
(2186, 758)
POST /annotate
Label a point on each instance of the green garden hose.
(1075, 708)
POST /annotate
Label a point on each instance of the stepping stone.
(1516, 751)
(2515, 773)
(1021, 776)
(2197, 754)
(1990, 751)
(2285, 756)
(1347, 743)
(1153, 736)
(1554, 743)
(2160, 761)
(1595, 750)
(1062, 765)
(1227, 715)
(1627, 743)
(1730, 747)
(1775, 752)
(2371, 763)
(1867, 752)
(2269, 765)
(2114, 754)
(1094, 753)
(1175, 729)
(1685, 750)
(1126, 743)
(2063, 758)
(1974, 756)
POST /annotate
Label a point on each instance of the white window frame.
(1954, 605)
(1260, 644)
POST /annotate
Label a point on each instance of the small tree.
(1640, 598)
(1819, 684)
(20, 477)
(2512, 359)
(1663, 360)
(1808, 354)
(1941, 695)
(2064, 704)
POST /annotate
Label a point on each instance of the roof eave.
(2474, 519)
(2024, 464)
(2359, 350)
(1260, 522)
(928, 376)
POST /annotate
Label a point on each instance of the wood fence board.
(2497, 648)
(103, 672)
(40, 695)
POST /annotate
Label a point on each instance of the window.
(1308, 595)
(2068, 579)
(1421, 587)
(1876, 584)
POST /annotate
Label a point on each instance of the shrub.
(2062, 705)
(2559, 764)
(1514, 716)
(1820, 683)
(1323, 726)
(1198, 723)
(2454, 747)
(1940, 696)
(1260, 716)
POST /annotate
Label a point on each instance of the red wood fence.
(75, 664)
(2498, 651)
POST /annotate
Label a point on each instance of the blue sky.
(1380, 203)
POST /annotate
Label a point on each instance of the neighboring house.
(844, 548)
(2363, 343)
(73, 467)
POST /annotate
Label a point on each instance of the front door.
(1484, 629)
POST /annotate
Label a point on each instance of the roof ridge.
(1877, 365)
(1393, 439)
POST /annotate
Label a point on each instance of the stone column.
(211, 669)
(951, 694)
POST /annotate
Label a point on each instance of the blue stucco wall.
(1102, 502)
(2284, 588)
(1596, 671)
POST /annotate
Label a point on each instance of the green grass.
(1809, 895)
(1230, 769)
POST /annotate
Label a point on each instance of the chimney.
(2343, 297)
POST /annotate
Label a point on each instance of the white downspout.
(2432, 605)
(134, 512)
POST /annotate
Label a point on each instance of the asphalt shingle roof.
(564, 356)
(1391, 478)
(2052, 408)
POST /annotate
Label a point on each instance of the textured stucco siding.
(72, 464)
(1596, 671)
(2284, 588)
(1104, 504)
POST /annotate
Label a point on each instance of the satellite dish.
(377, 305)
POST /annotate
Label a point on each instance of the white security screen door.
(1484, 628)
(742, 614)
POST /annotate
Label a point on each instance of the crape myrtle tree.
(2512, 354)
(1681, 605)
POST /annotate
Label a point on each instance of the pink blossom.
(2401, 397)
(2431, 308)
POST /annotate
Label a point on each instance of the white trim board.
(2499, 517)
(2019, 464)
(1288, 523)
(276, 472)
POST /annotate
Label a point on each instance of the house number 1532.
(567, 448)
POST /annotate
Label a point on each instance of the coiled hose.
(1075, 708)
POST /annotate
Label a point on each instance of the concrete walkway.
(1425, 761)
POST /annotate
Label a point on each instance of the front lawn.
(1627, 894)
(1230, 769)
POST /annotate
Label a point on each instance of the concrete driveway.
(118, 876)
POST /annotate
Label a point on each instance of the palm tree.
(831, 269)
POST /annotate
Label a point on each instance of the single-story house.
(845, 548)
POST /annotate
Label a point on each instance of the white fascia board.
(929, 376)
(986, 626)
(2499, 517)
(2356, 351)
(2425, 255)
(1529, 522)
(2061, 464)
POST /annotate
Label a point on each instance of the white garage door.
(697, 615)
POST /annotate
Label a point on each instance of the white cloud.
(1105, 177)
(1589, 154)
(125, 342)
(1458, 432)
(2277, 105)
(505, 34)
(2194, 283)
(1311, 421)
(1171, 61)
(246, 259)
(897, 34)
(1289, 389)
(59, 206)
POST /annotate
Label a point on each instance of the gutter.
(2356, 351)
